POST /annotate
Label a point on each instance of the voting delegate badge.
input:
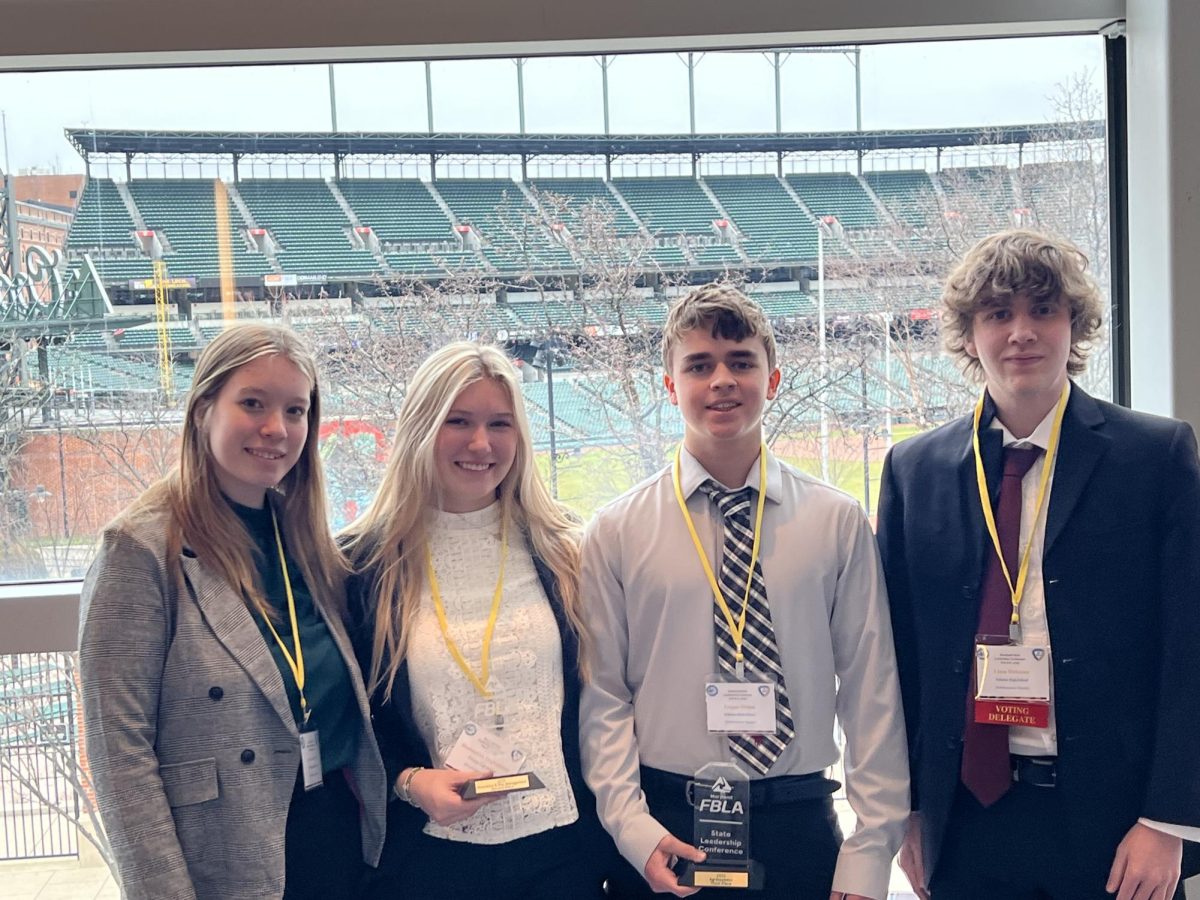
(739, 707)
(310, 760)
(1012, 685)
(483, 749)
(720, 800)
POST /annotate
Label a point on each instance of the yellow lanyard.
(480, 681)
(295, 663)
(736, 629)
(985, 501)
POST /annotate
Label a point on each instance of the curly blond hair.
(1013, 262)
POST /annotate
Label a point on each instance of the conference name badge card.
(1012, 685)
(310, 759)
(740, 707)
(483, 749)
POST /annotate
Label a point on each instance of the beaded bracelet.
(404, 791)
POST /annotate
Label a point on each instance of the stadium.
(841, 237)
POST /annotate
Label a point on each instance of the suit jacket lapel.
(1080, 448)
(229, 618)
(975, 531)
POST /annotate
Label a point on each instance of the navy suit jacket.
(1121, 567)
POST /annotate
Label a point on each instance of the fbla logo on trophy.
(720, 799)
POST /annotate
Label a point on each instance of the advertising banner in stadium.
(276, 280)
(147, 284)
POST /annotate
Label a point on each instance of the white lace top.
(526, 676)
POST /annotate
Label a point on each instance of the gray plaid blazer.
(192, 745)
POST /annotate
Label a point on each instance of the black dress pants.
(567, 863)
(1023, 847)
(323, 849)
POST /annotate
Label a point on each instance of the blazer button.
(968, 591)
(952, 743)
(960, 666)
(215, 693)
(247, 756)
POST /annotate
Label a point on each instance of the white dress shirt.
(1035, 630)
(526, 677)
(649, 609)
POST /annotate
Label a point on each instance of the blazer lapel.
(975, 532)
(342, 640)
(1080, 448)
(570, 644)
(229, 618)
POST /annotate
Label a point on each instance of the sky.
(918, 85)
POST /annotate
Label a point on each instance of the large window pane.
(569, 260)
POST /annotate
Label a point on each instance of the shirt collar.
(692, 474)
(1040, 436)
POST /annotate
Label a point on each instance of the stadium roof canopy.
(280, 143)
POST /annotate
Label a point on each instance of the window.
(565, 246)
(376, 253)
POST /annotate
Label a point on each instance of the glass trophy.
(720, 800)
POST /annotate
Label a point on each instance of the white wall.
(1164, 215)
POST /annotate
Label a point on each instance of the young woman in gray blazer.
(225, 720)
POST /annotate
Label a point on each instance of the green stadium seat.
(309, 225)
(185, 211)
(514, 236)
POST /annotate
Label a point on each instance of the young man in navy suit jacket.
(1083, 779)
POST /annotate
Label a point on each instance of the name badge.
(310, 760)
(740, 707)
(1012, 685)
(483, 749)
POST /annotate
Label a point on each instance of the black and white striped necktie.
(759, 650)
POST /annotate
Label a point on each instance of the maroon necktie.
(986, 769)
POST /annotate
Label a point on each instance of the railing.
(45, 800)
(40, 771)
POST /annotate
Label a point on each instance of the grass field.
(590, 478)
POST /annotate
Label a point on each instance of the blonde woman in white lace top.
(465, 616)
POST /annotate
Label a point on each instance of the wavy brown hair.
(722, 310)
(1014, 262)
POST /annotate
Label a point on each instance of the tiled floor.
(56, 880)
(67, 880)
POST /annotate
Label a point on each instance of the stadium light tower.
(545, 356)
(825, 222)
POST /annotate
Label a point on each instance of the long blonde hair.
(199, 516)
(389, 539)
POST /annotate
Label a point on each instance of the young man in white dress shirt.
(820, 637)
